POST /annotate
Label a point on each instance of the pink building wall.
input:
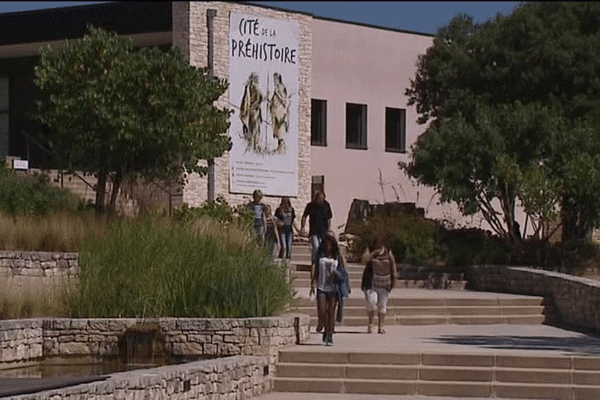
(372, 66)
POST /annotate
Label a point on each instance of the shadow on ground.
(580, 345)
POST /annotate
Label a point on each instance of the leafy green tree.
(510, 106)
(122, 113)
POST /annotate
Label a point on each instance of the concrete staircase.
(436, 311)
(418, 311)
(456, 375)
(443, 363)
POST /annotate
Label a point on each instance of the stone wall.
(20, 341)
(570, 301)
(29, 340)
(190, 33)
(238, 377)
(37, 264)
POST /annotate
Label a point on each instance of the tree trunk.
(115, 190)
(100, 192)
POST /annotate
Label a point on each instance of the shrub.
(32, 195)
(470, 246)
(155, 267)
(410, 238)
(218, 210)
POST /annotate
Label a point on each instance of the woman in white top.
(323, 274)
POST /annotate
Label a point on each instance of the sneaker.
(329, 341)
(324, 337)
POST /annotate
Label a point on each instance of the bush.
(155, 267)
(219, 210)
(410, 238)
(470, 246)
(27, 195)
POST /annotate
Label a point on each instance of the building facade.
(318, 103)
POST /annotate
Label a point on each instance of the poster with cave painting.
(263, 92)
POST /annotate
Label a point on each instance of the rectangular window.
(356, 126)
(4, 116)
(395, 130)
(317, 183)
(318, 122)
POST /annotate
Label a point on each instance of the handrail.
(43, 148)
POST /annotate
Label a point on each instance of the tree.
(120, 112)
(510, 106)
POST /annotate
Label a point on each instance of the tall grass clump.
(154, 267)
(55, 231)
(29, 297)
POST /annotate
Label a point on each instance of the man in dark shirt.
(320, 215)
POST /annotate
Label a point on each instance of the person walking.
(378, 280)
(284, 218)
(329, 276)
(271, 235)
(319, 213)
(260, 221)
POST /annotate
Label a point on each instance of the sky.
(417, 16)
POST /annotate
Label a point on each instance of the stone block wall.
(238, 377)
(190, 33)
(30, 340)
(37, 264)
(570, 301)
(20, 341)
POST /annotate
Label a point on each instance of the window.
(356, 126)
(3, 116)
(395, 130)
(318, 122)
(317, 183)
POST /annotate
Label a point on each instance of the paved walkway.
(532, 340)
(341, 396)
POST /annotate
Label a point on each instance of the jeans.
(286, 243)
(259, 231)
(315, 242)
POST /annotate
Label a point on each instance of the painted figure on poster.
(250, 112)
(280, 110)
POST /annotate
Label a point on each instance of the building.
(318, 103)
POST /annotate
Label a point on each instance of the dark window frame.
(395, 130)
(318, 127)
(356, 126)
(317, 182)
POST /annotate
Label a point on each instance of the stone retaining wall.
(29, 340)
(238, 377)
(254, 344)
(20, 341)
(37, 264)
(570, 301)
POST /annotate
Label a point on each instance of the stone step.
(396, 301)
(454, 311)
(355, 283)
(438, 373)
(456, 375)
(438, 388)
(528, 319)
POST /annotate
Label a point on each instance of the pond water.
(79, 366)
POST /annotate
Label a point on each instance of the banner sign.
(263, 91)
